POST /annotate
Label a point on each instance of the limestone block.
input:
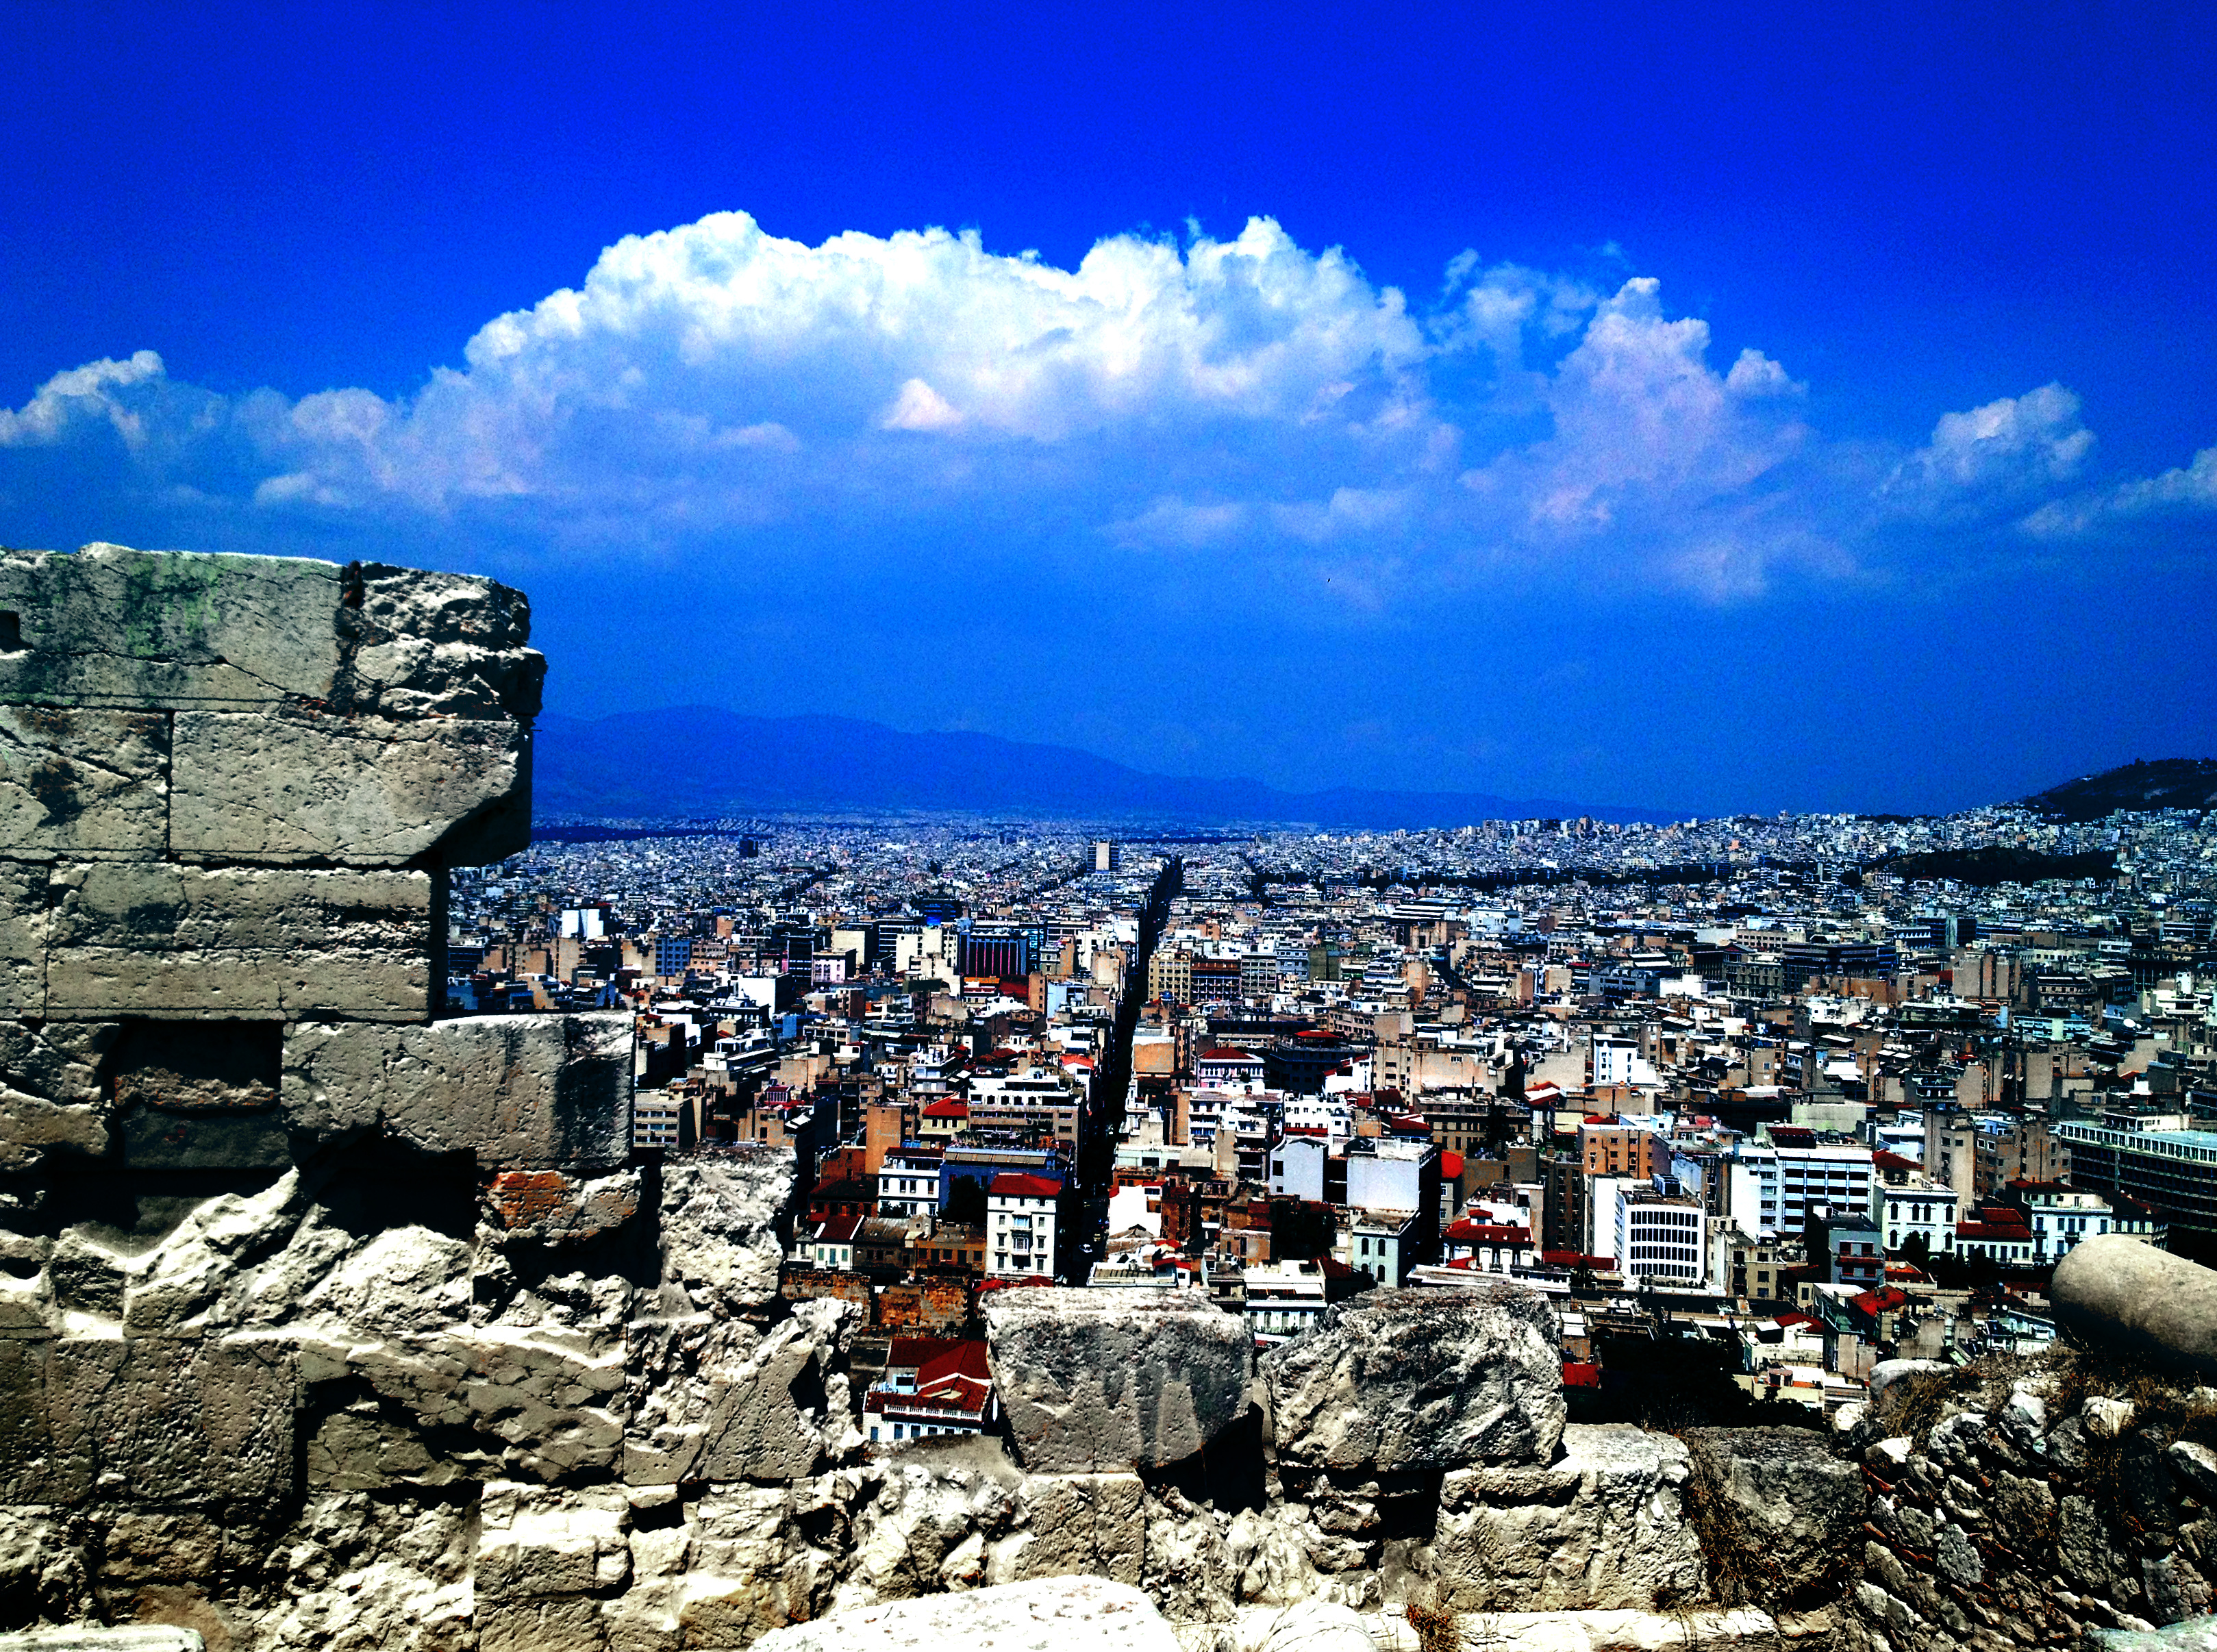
(447, 645)
(553, 1206)
(536, 1540)
(165, 630)
(1089, 1523)
(52, 1093)
(97, 1637)
(520, 1092)
(1601, 1528)
(719, 1215)
(1109, 1380)
(175, 1422)
(25, 923)
(83, 783)
(558, 1408)
(151, 939)
(752, 1569)
(1063, 1614)
(715, 1400)
(155, 630)
(1420, 1379)
(1780, 1498)
(273, 787)
(2115, 1293)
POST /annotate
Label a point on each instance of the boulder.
(1602, 1528)
(1420, 1380)
(1104, 1380)
(1779, 1511)
(2115, 1293)
(1063, 1614)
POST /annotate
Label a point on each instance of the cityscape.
(1734, 1078)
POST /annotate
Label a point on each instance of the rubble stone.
(1063, 1614)
(1095, 1381)
(1784, 1497)
(1420, 1379)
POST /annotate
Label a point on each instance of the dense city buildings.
(1742, 1078)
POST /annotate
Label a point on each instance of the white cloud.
(95, 394)
(2004, 447)
(1268, 408)
(2187, 490)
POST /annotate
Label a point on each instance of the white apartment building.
(1019, 1226)
(1297, 1168)
(1660, 1237)
(1283, 1300)
(908, 1184)
(1376, 1242)
(1772, 1189)
(2061, 1217)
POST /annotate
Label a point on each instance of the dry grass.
(1437, 1628)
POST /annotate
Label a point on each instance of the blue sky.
(1686, 409)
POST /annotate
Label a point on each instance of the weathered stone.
(715, 1400)
(536, 1540)
(52, 1093)
(1420, 1379)
(2115, 1293)
(83, 783)
(158, 630)
(551, 1205)
(1106, 1380)
(25, 923)
(100, 1637)
(43, 1571)
(1065, 1614)
(199, 1066)
(148, 1418)
(520, 1092)
(155, 939)
(718, 1220)
(2198, 1635)
(1602, 1528)
(306, 786)
(155, 630)
(1094, 1524)
(1782, 1502)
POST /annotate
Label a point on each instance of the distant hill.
(697, 762)
(2166, 784)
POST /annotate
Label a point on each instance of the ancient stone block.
(1600, 1529)
(718, 1401)
(178, 941)
(520, 1092)
(271, 787)
(2112, 1292)
(445, 645)
(147, 629)
(536, 1540)
(25, 922)
(1109, 1380)
(79, 783)
(52, 1093)
(1063, 1614)
(719, 1216)
(146, 1419)
(1420, 1379)
(554, 1205)
(1778, 1499)
(1089, 1524)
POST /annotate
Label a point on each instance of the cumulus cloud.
(2185, 491)
(1251, 404)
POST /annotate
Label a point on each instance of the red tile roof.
(1011, 1185)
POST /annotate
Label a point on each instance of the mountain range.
(698, 761)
